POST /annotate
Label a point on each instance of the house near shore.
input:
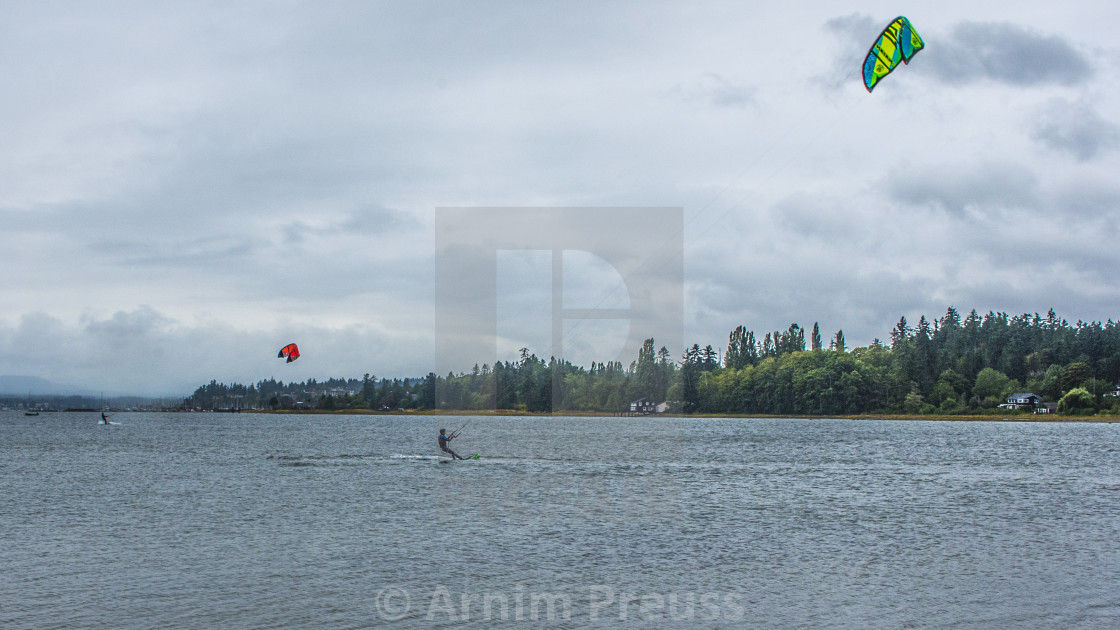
(645, 406)
(1046, 408)
(1024, 401)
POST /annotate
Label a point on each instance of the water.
(271, 521)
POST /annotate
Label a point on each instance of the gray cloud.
(858, 29)
(1091, 201)
(1006, 53)
(214, 252)
(714, 90)
(963, 189)
(364, 221)
(769, 293)
(822, 218)
(1076, 129)
(856, 32)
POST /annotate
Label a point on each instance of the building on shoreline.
(1023, 401)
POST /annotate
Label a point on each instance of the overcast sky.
(187, 186)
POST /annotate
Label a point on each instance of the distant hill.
(16, 385)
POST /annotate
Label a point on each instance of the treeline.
(952, 365)
(59, 402)
(334, 393)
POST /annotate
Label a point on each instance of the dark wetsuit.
(443, 440)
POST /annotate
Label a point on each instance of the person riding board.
(444, 439)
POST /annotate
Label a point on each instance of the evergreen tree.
(901, 332)
(768, 349)
(741, 349)
(646, 372)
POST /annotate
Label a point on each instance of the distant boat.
(31, 413)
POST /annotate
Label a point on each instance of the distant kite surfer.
(444, 439)
(104, 418)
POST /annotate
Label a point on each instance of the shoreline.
(592, 414)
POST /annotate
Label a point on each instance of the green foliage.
(742, 349)
(951, 365)
(1075, 374)
(1077, 402)
(803, 382)
(1050, 386)
(913, 402)
(990, 383)
(950, 406)
(1097, 387)
(950, 385)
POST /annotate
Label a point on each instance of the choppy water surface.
(263, 521)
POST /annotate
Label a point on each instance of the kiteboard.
(448, 460)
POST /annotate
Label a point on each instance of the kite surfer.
(444, 439)
(104, 418)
